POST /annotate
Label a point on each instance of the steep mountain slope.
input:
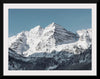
(54, 35)
(83, 43)
(19, 43)
(33, 37)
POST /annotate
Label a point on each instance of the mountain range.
(50, 48)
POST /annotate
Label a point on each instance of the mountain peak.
(22, 34)
(37, 28)
(53, 23)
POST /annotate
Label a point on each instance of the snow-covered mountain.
(54, 35)
(51, 48)
(52, 38)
